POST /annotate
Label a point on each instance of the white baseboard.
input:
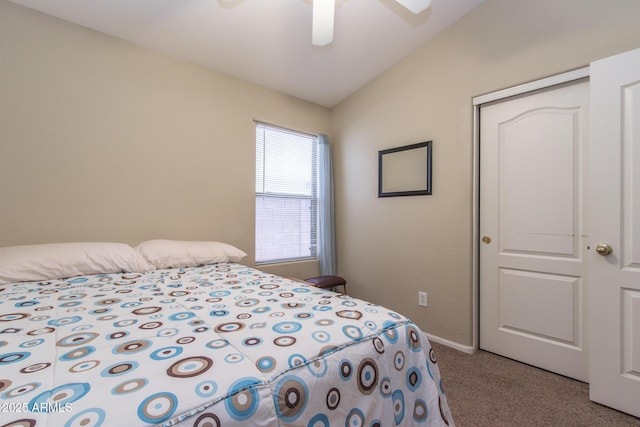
(460, 347)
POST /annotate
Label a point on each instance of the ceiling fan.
(324, 11)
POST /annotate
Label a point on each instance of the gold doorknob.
(486, 239)
(603, 249)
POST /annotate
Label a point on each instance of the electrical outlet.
(422, 299)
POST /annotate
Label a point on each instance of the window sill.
(285, 261)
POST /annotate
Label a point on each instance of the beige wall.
(391, 248)
(102, 140)
(105, 141)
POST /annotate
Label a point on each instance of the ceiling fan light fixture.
(322, 25)
(415, 6)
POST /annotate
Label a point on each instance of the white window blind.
(286, 194)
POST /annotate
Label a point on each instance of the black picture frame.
(406, 170)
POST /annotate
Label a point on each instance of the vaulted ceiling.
(269, 42)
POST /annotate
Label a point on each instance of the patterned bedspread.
(219, 345)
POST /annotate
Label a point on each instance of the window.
(286, 194)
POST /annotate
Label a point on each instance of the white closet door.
(533, 152)
(614, 289)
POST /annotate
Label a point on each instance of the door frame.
(477, 101)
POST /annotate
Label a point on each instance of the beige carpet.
(484, 389)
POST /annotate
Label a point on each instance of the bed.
(219, 344)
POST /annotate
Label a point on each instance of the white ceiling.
(268, 42)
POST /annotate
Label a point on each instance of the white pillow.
(176, 254)
(60, 260)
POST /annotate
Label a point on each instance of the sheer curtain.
(326, 227)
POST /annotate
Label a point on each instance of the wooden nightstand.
(328, 282)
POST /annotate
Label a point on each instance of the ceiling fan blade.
(415, 6)
(322, 25)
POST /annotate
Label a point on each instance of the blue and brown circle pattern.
(210, 346)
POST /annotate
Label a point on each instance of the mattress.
(215, 345)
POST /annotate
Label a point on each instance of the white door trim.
(547, 82)
(569, 76)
